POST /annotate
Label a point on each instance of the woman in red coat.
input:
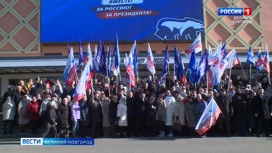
(33, 115)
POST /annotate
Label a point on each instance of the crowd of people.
(152, 108)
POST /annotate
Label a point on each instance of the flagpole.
(116, 84)
(169, 76)
(207, 79)
(174, 72)
(242, 69)
(92, 90)
(250, 73)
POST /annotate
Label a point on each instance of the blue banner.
(143, 20)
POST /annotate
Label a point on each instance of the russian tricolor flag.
(208, 118)
(70, 73)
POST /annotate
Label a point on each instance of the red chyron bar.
(234, 11)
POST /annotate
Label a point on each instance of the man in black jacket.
(64, 114)
(51, 120)
(113, 115)
(224, 118)
(240, 111)
(139, 114)
(130, 113)
(95, 115)
(261, 112)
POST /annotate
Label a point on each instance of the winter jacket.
(33, 110)
(122, 114)
(9, 111)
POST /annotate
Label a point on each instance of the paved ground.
(152, 145)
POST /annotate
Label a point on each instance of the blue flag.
(177, 64)
(109, 61)
(103, 60)
(97, 58)
(192, 68)
(250, 57)
(135, 61)
(165, 64)
(202, 67)
(81, 56)
(116, 62)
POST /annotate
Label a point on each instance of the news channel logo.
(57, 141)
(234, 11)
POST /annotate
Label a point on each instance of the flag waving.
(116, 61)
(250, 57)
(165, 64)
(208, 118)
(103, 60)
(70, 73)
(88, 56)
(80, 91)
(196, 47)
(177, 64)
(259, 64)
(202, 67)
(266, 63)
(81, 56)
(109, 61)
(232, 59)
(150, 61)
(130, 72)
(133, 53)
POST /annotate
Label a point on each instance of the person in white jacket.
(122, 115)
(169, 101)
(8, 115)
(23, 114)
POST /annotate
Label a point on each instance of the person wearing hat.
(122, 116)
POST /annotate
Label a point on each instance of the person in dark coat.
(139, 114)
(95, 115)
(10, 92)
(150, 114)
(240, 111)
(64, 114)
(51, 116)
(130, 113)
(251, 124)
(84, 115)
(224, 118)
(113, 115)
(261, 112)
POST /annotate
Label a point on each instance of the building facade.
(23, 56)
